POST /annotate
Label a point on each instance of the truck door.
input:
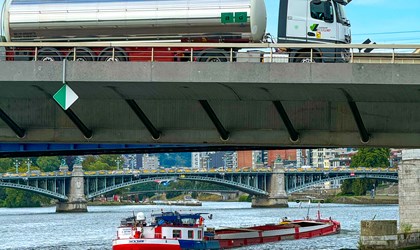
(343, 24)
(322, 25)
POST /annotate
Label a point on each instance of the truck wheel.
(212, 57)
(49, 55)
(306, 58)
(82, 55)
(107, 57)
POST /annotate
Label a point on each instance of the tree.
(5, 165)
(48, 163)
(19, 198)
(88, 161)
(369, 158)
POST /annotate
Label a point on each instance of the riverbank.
(378, 200)
(383, 196)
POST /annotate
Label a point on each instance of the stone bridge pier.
(276, 188)
(77, 201)
(409, 190)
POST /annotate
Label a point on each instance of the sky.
(382, 21)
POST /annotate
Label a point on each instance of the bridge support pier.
(267, 202)
(277, 190)
(77, 202)
(409, 191)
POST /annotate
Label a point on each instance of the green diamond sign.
(237, 17)
(241, 17)
(227, 17)
(65, 97)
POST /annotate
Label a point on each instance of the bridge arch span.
(126, 184)
(343, 177)
(37, 190)
(239, 186)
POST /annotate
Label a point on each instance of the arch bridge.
(259, 182)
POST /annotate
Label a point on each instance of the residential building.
(150, 161)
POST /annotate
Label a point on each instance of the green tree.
(369, 158)
(19, 198)
(48, 163)
(5, 165)
(88, 161)
(102, 162)
(111, 160)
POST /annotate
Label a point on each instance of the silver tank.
(93, 20)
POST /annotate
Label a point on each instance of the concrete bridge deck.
(317, 105)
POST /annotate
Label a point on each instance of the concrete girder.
(241, 94)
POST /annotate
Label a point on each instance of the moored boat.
(168, 230)
(176, 231)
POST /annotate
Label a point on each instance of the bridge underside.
(229, 104)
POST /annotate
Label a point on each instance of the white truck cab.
(314, 21)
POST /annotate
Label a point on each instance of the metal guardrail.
(341, 170)
(197, 171)
(194, 52)
(168, 171)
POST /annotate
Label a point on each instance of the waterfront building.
(200, 160)
(230, 159)
(244, 159)
(150, 161)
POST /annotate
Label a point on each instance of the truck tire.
(106, 56)
(48, 55)
(82, 55)
(306, 58)
(213, 57)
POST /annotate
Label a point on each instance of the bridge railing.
(178, 171)
(212, 52)
(342, 170)
(35, 174)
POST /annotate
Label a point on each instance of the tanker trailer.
(131, 20)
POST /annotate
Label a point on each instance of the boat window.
(199, 234)
(190, 234)
(188, 221)
(176, 233)
(322, 10)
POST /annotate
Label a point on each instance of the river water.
(42, 228)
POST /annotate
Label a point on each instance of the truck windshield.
(322, 10)
(341, 14)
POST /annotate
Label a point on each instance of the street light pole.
(17, 166)
(29, 165)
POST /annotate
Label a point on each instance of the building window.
(190, 234)
(176, 233)
(199, 235)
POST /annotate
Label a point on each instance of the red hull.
(145, 244)
(231, 238)
(145, 247)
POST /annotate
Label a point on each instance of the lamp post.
(29, 166)
(118, 161)
(17, 166)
